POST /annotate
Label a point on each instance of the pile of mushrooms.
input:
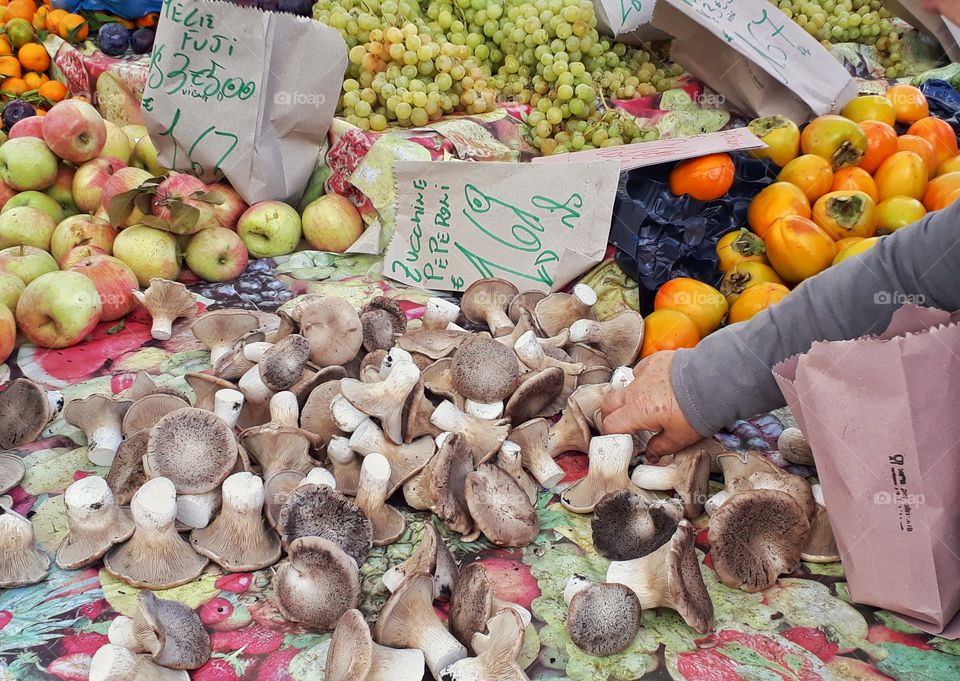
(317, 423)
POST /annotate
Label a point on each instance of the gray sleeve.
(728, 375)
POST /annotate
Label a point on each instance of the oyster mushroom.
(609, 459)
(627, 526)
(320, 511)
(474, 602)
(669, 577)
(388, 523)
(500, 508)
(353, 656)
(533, 438)
(430, 557)
(794, 485)
(346, 465)
(484, 370)
(25, 410)
(406, 460)
(21, 563)
(619, 338)
(221, 330)
(115, 663)
(483, 436)
(333, 328)
(794, 447)
(12, 471)
(602, 619)
(382, 320)
(100, 419)
(536, 395)
(155, 557)
(193, 448)
(279, 448)
(126, 473)
(386, 399)
(510, 460)
(688, 475)
(532, 354)
(169, 630)
(524, 301)
(497, 653)
(147, 411)
(282, 365)
(205, 387)
(166, 301)
(486, 302)
(559, 311)
(756, 536)
(238, 540)
(94, 521)
(317, 584)
(408, 620)
(821, 546)
(444, 480)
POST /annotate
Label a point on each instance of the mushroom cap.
(471, 604)
(12, 471)
(694, 481)
(434, 343)
(144, 385)
(445, 481)
(821, 546)
(282, 365)
(525, 300)
(756, 536)
(685, 581)
(485, 370)
(21, 563)
(793, 485)
(317, 584)
(431, 557)
(165, 299)
(581, 353)
(193, 448)
(500, 508)
(316, 417)
(485, 294)
(319, 511)
(626, 525)
(24, 413)
(381, 328)
(534, 395)
(171, 632)
(438, 379)
(558, 311)
(622, 337)
(87, 542)
(738, 466)
(276, 491)
(392, 308)
(384, 400)
(205, 387)
(147, 411)
(794, 447)
(603, 619)
(126, 473)
(333, 327)
(350, 655)
(223, 327)
(95, 410)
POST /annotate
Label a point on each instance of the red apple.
(81, 230)
(28, 127)
(217, 254)
(122, 181)
(78, 253)
(228, 213)
(90, 179)
(58, 309)
(74, 130)
(182, 188)
(8, 333)
(332, 223)
(115, 283)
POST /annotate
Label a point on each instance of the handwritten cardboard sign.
(237, 92)
(943, 30)
(756, 56)
(645, 154)
(627, 20)
(458, 222)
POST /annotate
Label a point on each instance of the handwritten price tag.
(459, 222)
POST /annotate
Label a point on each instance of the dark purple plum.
(141, 40)
(16, 111)
(113, 40)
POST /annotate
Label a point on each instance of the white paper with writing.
(237, 92)
(761, 60)
(627, 20)
(457, 222)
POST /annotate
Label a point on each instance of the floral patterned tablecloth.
(802, 629)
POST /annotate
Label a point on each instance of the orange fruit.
(13, 87)
(10, 67)
(939, 134)
(40, 18)
(20, 9)
(668, 330)
(812, 174)
(5, 49)
(19, 33)
(34, 57)
(856, 179)
(705, 178)
(148, 21)
(951, 165)
(881, 143)
(921, 148)
(756, 299)
(938, 188)
(909, 104)
(73, 27)
(34, 80)
(52, 23)
(53, 90)
(774, 202)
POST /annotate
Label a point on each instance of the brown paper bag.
(881, 416)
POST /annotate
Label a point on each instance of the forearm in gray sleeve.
(728, 374)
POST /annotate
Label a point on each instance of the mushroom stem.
(397, 355)
(533, 438)
(484, 437)
(716, 501)
(388, 522)
(197, 510)
(254, 352)
(509, 458)
(122, 633)
(95, 523)
(162, 328)
(621, 378)
(347, 417)
(346, 465)
(609, 460)
(252, 386)
(103, 443)
(285, 409)
(484, 410)
(438, 313)
(319, 475)
(113, 663)
(55, 400)
(227, 405)
(655, 477)
(586, 331)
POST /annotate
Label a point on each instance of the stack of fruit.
(24, 61)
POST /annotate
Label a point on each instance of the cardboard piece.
(762, 61)
(879, 413)
(228, 94)
(943, 30)
(457, 222)
(645, 154)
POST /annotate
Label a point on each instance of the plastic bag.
(944, 101)
(659, 236)
(128, 9)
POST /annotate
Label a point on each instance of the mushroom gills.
(95, 523)
(317, 584)
(21, 563)
(498, 653)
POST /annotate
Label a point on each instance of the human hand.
(649, 404)
(948, 9)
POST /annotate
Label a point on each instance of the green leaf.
(121, 206)
(214, 197)
(185, 217)
(155, 222)
(117, 328)
(143, 201)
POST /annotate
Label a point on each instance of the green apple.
(61, 190)
(217, 254)
(81, 230)
(37, 200)
(332, 223)
(146, 153)
(134, 133)
(11, 286)
(269, 229)
(118, 144)
(26, 262)
(27, 163)
(58, 309)
(26, 226)
(148, 252)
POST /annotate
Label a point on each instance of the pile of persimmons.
(844, 181)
